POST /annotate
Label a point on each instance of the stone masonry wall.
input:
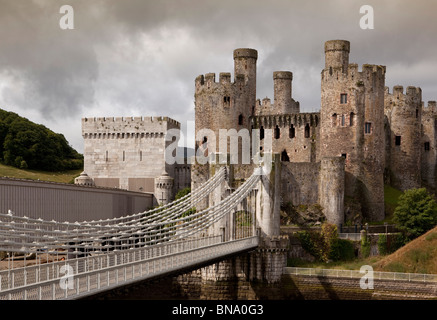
(352, 125)
(404, 114)
(429, 153)
(118, 152)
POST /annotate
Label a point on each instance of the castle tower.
(337, 54)
(352, 125)
(428, 145)
(245, 64)
(331, 189)
(223, 105)
(404, 147)
(127, 152)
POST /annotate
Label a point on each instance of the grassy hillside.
(418, 256)
(63, 177)
(27, 145)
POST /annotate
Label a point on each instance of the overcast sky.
(140, 57)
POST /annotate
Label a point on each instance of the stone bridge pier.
(267, 262)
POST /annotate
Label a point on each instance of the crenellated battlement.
(296, 119)
(399, 94)
(266, 103)
(429, 109)
(353, 73)
(208, 81)
(127, 127)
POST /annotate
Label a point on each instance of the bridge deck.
(77, 278)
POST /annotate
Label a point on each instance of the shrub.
(416, 212)
(325, 245)
(365, 247)
(382, 244)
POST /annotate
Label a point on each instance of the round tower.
(404, 114)
(352, 125)
(84, 180)
(163, 189)
(282, 84)
(331, 189)
(337, 54)
(245, 64)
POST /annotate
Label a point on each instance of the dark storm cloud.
(137, 57)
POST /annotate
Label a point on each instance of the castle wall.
(295, 136)
(404, 145)
(299, 183)
(428, 146)
(343, 125)
(127, 153)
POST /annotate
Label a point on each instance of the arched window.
(334, 120)
(307, 131)
(292, 132)
(277, 132)
(351, 119)
(284, 156)
(261, 133)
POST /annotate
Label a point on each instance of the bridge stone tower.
(352, 125)
(163, 188)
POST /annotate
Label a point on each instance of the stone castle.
(339, 158)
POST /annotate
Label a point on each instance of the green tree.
(416, 212)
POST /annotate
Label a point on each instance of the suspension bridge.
(51, 260)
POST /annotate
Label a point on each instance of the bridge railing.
(377, 275)
(91, 275)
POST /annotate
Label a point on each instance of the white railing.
(350, 236)
(95, 274)
(377, 275)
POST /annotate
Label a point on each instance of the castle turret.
(404, 116)
(337, 54)
(245, 64)
(163, 188)
(352, 125)
(428, 145)
(282, 82)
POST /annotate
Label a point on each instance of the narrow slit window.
(226, 101)
(368, 128)
(426, 145)
(351, 119)
(342, 120)
(240, 120)
(397, 140)
(277, 132)
(292, 132)
(307, 131)
(343, 98)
